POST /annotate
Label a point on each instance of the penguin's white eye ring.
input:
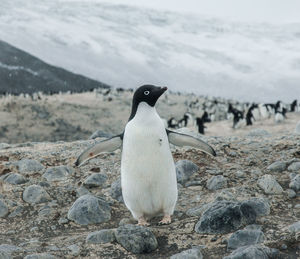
(146, 92)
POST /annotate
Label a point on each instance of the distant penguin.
(148, 175)
(200, 124)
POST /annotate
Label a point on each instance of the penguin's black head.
(148, 94)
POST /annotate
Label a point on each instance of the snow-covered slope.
(126, 46)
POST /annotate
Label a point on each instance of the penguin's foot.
(143, 222)
(166, 220)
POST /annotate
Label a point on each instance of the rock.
(4, 255)
(15, 178)
(294, 167)
(295, 183)
(193, 253)
(89, 210)
(297, 128)
(136, 239)
(116, 190)
(40, 256)
(34, 194)
(269, 185)
(258, 132)
(29, 166)
(100, 134)
(259, 205)
(245, 238)
(240, 174)
(224, 217)
(58, 173)
(253, 252)
(198, 211)
(277, 166)
(291, 193)
(82, 191)
(216, 182)
(75, 249)
(225, 195)
(295, 228)
(95, 180)
(3, 209)
(184, 170)
(101, 237)
(9, 249)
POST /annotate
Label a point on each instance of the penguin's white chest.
(148, 174)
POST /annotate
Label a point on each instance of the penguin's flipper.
(107, 145)
(180, 140)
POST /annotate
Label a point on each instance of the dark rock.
(259, 205)
(34, 194)
(89, 210)
(95, 180)
(216, 182)
(184, 170)
(116, 190)
(193, 253)
(101, 237)
(15, 178)
(245, 238)
(58, 173)
(3, 209)
(253, 252)
(136, 239)
(224, 217)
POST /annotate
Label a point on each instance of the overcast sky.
(273, 11)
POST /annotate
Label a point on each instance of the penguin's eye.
(146, 92)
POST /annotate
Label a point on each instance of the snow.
(127, 45)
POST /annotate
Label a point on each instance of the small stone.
(4, 255)
(295, 183)
(291, 193)
(198, 211)
(9, 249)
(294, 167)
(95, 180)
(62, 221)
(277, 166)
(136, 239)
(284, 246)
(184, 170)
(245, 238)
(101, 237)
(18, 211)
(295, 228)
(3, 209)
(224, 217)
(89, 210)
(225, 195)
(193, 253)
(116, 190)
(58, 173)
(34, 194)
(253, 252)
(269, 185)
(75, 249)
(29, 166)
(240, 174)
(15, 178)
(216, 182)
(82, 191)
(40, 256)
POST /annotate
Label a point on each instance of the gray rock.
(89, 210)
(245, 238)
(16, 212)
(3, 209)
(193, 253)
(277, 166)
(291, 193)
(82, 191)
(29, 166)
(184, 170)
(253, 252)
(116, 190)
(198, 211)
(15, 178)
(136, 239)
(269, 185)
(75, 249)
(34, 194)
(295, 183)
(259, 205)
(9, 249)
(295, 227)
(58, 173)
(294, 167)
(95, 180)
(216, 182)
(258, 132)
(225, 195)
(100, 134)
(224, 217)
(40, 256)
(4, 255)
(101, 237)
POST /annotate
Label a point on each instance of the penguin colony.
(148, 175)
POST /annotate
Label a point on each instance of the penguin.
(148, 175)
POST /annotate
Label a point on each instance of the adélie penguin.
(148, 175)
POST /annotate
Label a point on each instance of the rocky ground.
(248, 196)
